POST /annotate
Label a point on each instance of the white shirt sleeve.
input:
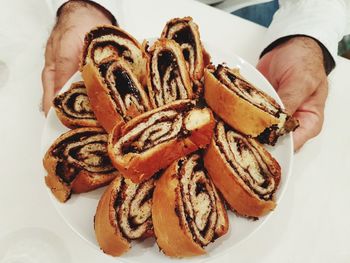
(324, 20)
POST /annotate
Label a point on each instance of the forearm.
(324, 20)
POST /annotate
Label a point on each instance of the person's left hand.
(64, 46)
(295, 69)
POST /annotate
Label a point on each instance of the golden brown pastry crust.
(85, 118)
(84, 180)
(119, 200)
(236, 193)
(141, 166)
(160, 89)
(174, 237)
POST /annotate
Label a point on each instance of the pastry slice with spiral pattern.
(168, 77)
(187, 211)
(114, 71)
(124, 214)
(243, 170)
(244, 107)
(115, 94)
(73, 107)
(185, 32)
(155, 139)
(78, 162)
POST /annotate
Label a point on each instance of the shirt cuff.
(323, 21)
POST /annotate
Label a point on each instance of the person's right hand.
(64, 46)
(296, 70)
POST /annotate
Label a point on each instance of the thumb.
(48, 77)
(67, 58)
(311, 116)
(310, 126)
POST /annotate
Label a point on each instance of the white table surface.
(312, 221)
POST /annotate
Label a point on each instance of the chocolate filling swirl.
(185, 32)
(75, 103)
(197, 201)
(247, 161)
(85, 150)
(132, 205)
(124, 89)
(169, 78)
(105, 42)
(157, 128)
(165, 68)
(245, 90)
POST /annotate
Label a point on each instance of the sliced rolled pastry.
(124, 214)
(187, 211)
(73, 107)
(153, 140)
(109, 42)
(115, 94)
(243, 171)
(185, 32)
(244, 107)
(78, 162)
(168, 78)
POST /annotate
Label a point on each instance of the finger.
(48, 77)
(68, 51)
(310, 116)
(48, 97)
(310, 126)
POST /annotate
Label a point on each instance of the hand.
(295, 69)
(63, 49)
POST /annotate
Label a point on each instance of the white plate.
(79, 211)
